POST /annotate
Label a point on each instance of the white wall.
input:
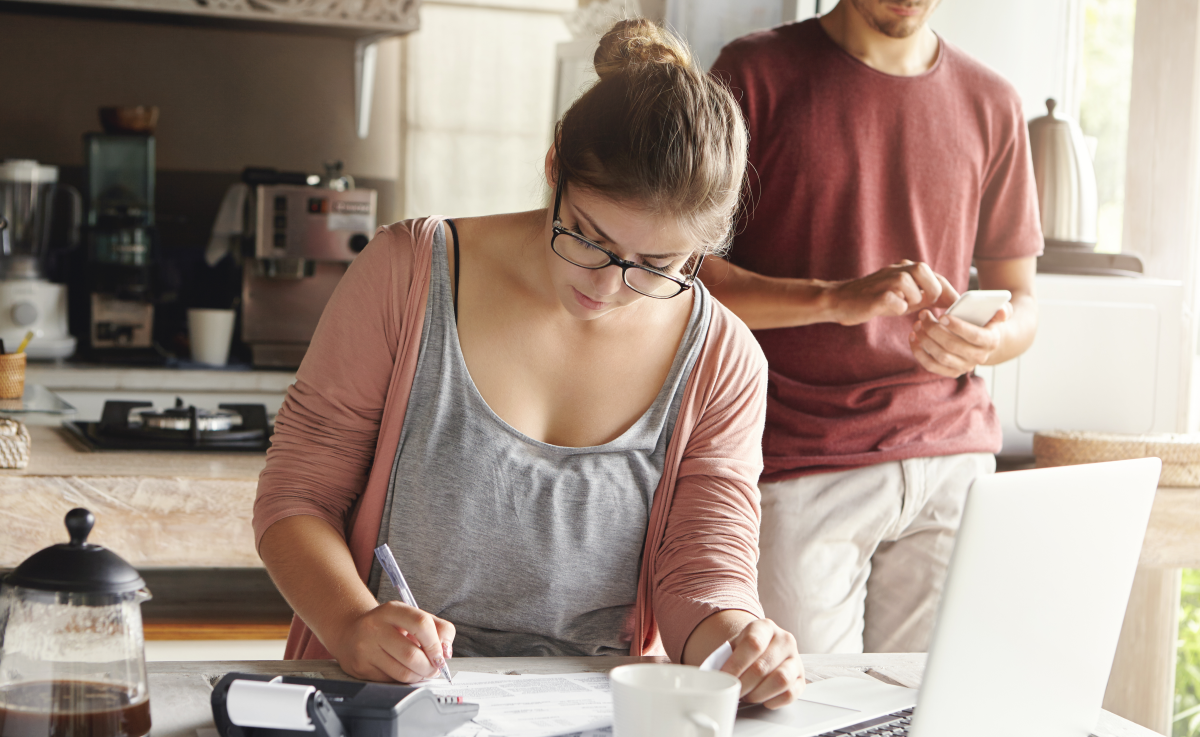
(479, 80)
(160, 650)
(1033, 43)
(228, 98)
(710, 24)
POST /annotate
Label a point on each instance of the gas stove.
(138, 426)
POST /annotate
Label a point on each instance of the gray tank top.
(528, 548)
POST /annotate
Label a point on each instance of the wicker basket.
(12, 375)
(1180, 453)
(14, 444)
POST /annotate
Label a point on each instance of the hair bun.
(638, 41)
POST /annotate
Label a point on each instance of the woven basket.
(1180, 453)
(14, 444)
(12, 375)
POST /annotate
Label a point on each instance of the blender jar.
(72, 661)
(27, 194)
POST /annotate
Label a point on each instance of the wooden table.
(179, 691)
(1142, 684)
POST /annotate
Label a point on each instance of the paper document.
(533, 706)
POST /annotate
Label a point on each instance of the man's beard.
(896, 28)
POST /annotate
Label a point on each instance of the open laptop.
(1029, 618)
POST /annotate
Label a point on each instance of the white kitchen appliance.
(28, 301)
(1108, 357)
(1067, 200)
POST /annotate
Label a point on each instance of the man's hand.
(769, 302)
(899, 289)
(951, 347)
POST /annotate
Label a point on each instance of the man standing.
(884, 161)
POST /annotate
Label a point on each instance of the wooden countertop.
(54, 453)
(180, 691)
(155, 509)
(1173, 533)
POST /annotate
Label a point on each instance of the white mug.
(656, 699)
(210, 332)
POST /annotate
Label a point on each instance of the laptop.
(1029, 619)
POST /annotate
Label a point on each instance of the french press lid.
(77, 566)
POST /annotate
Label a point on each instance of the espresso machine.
(302, 239)
(28, 301)
(120, 244)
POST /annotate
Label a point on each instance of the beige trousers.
(854, 561)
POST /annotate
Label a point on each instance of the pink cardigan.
(337, 432)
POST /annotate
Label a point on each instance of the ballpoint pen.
(388, 562)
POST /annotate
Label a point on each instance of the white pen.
(388, 561)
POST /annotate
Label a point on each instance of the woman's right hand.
(394, 642)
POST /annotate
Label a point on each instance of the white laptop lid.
(1029, 619)
(1034, 601)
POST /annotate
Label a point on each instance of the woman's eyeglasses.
(646, 280)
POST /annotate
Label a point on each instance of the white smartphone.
(979, 306)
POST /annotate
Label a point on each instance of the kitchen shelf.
(360, 19)
(205, 630)
(366, 21)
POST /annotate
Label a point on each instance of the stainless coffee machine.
(304, 238)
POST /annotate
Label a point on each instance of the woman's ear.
(551, 168)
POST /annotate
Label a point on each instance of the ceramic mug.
(656, 699)
(210, 332)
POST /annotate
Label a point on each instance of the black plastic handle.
(79, 525)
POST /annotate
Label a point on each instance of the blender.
(28, 301)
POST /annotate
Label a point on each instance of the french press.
(72, 660)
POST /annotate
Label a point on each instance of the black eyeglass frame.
(614, 260)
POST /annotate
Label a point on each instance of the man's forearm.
(1019, 330)
(765, 302)
(1017, 276)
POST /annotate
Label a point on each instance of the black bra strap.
(454, 232)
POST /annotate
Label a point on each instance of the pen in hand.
(387, 561)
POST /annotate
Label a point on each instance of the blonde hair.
(657, 131)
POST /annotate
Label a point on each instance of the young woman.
(544, 414)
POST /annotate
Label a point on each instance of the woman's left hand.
(766, 661)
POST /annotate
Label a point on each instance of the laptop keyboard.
(889, 725)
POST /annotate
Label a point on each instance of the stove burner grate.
(180, 428)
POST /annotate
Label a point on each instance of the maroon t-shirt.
(853, 170)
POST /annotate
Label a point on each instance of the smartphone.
(979, 306)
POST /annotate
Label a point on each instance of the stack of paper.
(576, 704)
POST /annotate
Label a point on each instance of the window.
(1104, 81)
